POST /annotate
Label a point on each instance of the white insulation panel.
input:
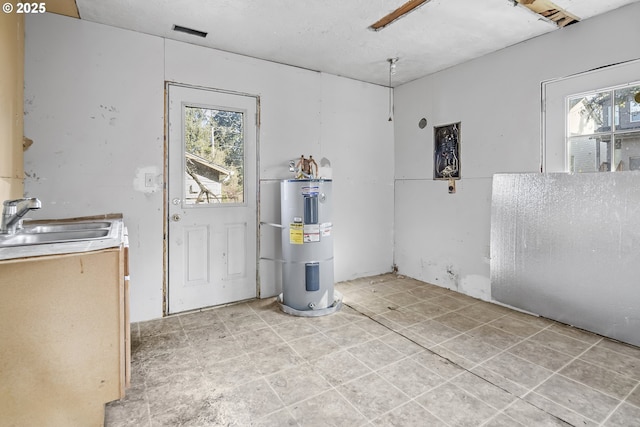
(567, 247)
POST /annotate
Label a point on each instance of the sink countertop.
(44, 249)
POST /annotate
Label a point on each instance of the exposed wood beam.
(550, 11)
(63, 7)
(398, 13)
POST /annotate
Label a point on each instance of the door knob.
(176, 217)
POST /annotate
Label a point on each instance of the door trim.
(165, 189)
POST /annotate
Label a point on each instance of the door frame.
(165, 187)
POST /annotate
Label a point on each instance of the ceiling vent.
(191, 31)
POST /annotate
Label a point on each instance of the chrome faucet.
(13, 211)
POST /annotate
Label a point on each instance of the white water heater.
(307, 248)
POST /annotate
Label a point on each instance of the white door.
(211, 198)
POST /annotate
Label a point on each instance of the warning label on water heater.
(296, 233)
(311, 233)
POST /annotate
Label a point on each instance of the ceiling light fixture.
(409, 6)
(392, 71)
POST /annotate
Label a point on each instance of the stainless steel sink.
(55, 228)
(21, 239)
(37, 234)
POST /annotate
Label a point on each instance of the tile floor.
(399, 353)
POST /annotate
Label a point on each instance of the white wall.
(444, 238)
(310, 113)
(94, 107)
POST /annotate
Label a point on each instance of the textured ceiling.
(333, 36)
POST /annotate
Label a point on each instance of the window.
(214, 156)
(603, 130)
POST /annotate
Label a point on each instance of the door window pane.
(589, 114)
(214, 156)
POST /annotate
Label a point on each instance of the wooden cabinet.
(64, 337)
(11, 104)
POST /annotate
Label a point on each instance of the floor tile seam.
(420, 405)
(473, 373)
(428, 368)
(326, 378)
(236, 333)
(335, 328)
(489, 325)
(622, 402)
(408, 398)
(579, 356)
(542, 342)
(515, 396)
(524, 337)
(496, 415)
(607, 394)
(472, 329)
(447, 339)
(507, 350)
(396, 326)
(566, 325)
(335, 388)
(533, 392)
(452, 362)
(617, 352)
(284, 405)
(472, 363)
(288, 342)
(440, 323)
(415, 399)
(404, 358)
(479, 376)
(466, 317)
(588, 362)
(553, 372)
(521, 399)
(626, 399)
(285, 408)
(558, 372)
(398, 332)
(449, 381)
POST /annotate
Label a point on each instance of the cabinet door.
(63, 324)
